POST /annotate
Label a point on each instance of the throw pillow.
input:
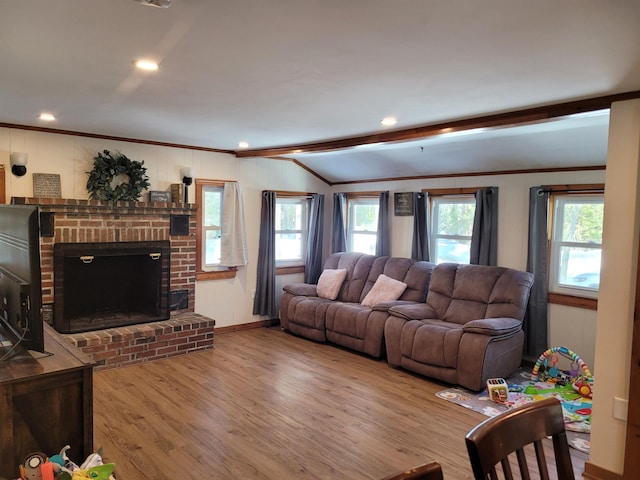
(386, 289)
(330, 282)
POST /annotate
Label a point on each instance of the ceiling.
(286, 73)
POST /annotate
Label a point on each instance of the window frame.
(556, 201)
(222, 271)
(434, 202)
(354, 199)
(561, 298)
(304, 200)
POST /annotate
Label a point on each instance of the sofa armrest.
(493, 326)
(302, 289)
(413, 311)
(385, 306)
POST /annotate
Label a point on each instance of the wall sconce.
(187, 179)
(19, 163)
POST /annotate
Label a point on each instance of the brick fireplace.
(67, 221)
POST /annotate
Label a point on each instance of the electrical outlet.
(620, 406)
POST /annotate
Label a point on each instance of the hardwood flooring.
(264, 404)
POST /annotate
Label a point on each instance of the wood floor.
(264, 404)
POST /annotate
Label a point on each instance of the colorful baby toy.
(498, 390)
(546, 370)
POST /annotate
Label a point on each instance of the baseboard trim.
(246, 326)
(593, 472)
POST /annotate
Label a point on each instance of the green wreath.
(106, 168)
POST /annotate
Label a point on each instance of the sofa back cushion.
(363, 271)
(461, 293)
(416, 274)
(357, 266)
(417, 279)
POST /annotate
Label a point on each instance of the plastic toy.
(583, 387)
(30, 468)
(63, 461)
(498, 390)
(38, 467)
(546, 370)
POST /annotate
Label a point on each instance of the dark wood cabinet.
(46, 402)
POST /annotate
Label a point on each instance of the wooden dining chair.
(426, 471)
(493, 441)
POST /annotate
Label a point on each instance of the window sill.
(217, 275)
(573, 301)
(289, 270)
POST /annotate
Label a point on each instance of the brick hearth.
(117, 347)
(79, 221)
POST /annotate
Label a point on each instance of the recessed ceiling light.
(148, 65)
(47, 117)
(243, 144)
(389, 121)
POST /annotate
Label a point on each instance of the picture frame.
(403, 204)
(159, 196)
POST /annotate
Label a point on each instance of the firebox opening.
(110, 284)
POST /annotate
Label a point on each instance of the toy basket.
(545, 370)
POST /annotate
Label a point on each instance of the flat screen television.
(20, 278)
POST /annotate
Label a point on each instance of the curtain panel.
(338, 232)
(313, 261)
(383, 242)
(264, 302)
(484, 238)
(234, 239)
(535, 320)
(420, 243)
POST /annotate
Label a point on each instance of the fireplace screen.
(105, 285)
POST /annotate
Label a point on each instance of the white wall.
(618, 285)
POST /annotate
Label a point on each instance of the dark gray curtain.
(313, 262)
(535, 320)
(484, 238)
(383, 242)
(264, 302)
(339, 232)
(420, 244)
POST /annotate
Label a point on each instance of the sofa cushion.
(304, 289)
(493, 326)
(330, 282)
(461, 293)
(384, 290)
(432, 342)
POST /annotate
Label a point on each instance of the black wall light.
(19, 163)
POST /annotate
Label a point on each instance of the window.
(451, 227)
(362, 224)
(291, 230)
(211, 225)
(209, 198)
(576, 244)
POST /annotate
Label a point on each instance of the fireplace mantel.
(113, 208)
